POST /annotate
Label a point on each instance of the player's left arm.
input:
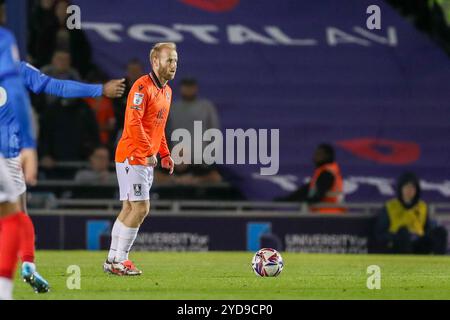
(39, 82)
(164, 153)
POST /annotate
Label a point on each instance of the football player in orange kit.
(142, 139)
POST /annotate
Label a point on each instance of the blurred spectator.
(440, 22)
(99, 169)
(430, 16)
(191, 108)
(134, 71)
(43, 26)
(103, 109)
(68, 132)
(2, 13)
(182, 114)
(60, 68)
(404, 225)
(49, 32)
(73, 41)
(185, 174)
(326, 186)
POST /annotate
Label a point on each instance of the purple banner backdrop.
(309, 68)
(200, 233)
(305, 234)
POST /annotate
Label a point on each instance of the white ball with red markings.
(267, 262)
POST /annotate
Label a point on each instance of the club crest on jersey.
(138, 98)
(167, 96)
(3, 97)
(137, 190)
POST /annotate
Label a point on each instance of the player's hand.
(114, 88)
(28, 157)
(167, 163)
(152, 161)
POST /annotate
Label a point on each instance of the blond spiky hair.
(154, 53)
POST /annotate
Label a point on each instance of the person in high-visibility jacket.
(325, 191)
(405, 226)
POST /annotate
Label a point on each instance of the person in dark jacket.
(49, 32)
(68, 132)
(135, 69)
(405, 226)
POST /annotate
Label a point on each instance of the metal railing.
(72, 164)
(213, 208)
(71, 183)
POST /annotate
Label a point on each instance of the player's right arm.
(136, 104)
(39, 82)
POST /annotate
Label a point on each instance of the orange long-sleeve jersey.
(148, 106)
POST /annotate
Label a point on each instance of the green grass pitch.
(228, 275)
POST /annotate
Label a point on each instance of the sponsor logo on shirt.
(161, 114)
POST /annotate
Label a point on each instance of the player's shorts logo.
(138, 98)
(137, 190)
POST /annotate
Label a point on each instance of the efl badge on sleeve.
(138, 98)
